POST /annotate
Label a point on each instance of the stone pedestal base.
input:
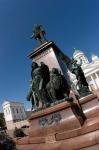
(62, 127)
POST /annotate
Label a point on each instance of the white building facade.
(91, 69)
(14, 113)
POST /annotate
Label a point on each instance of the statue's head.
(34, 65)
(42, 63)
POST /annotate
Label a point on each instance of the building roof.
(10, 102)
(5, 102)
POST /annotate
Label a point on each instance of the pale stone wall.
(11, 125)
(14, 111)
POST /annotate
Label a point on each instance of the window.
(20, 110)
(17, 110)
(22, 117)
(12, 110)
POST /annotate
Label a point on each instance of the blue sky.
(69, 23)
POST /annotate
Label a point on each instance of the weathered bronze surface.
(55, 118)
(47, 86)
(82, 84)
(39, 33)
(40, 77)
(57, 87)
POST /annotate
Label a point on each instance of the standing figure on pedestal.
(37, 90)
(39, 34)
(82, 84)
(45, 73)
(32, 97)
(57, 87)
(31, 94)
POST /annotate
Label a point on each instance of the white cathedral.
(91, 69)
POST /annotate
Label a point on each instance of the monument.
(58, 120)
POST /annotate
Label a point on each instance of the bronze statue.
(57, 87)
(39, 33)
(31, 96)
(45, 73)
(82, 84)
(38, 91)
(47, 86)
(34, 66)
(34, 101)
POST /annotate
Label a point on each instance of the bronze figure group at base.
(50, 87)
(47, 87)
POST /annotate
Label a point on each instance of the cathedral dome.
(80, 56)
(76, 53)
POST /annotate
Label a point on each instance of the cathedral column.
(97, 77)
(93, 82)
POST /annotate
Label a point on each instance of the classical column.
(97, 77)
(95, 86)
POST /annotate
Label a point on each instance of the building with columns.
(91, 69)
(15, 114)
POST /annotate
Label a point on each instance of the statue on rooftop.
(39, 33)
